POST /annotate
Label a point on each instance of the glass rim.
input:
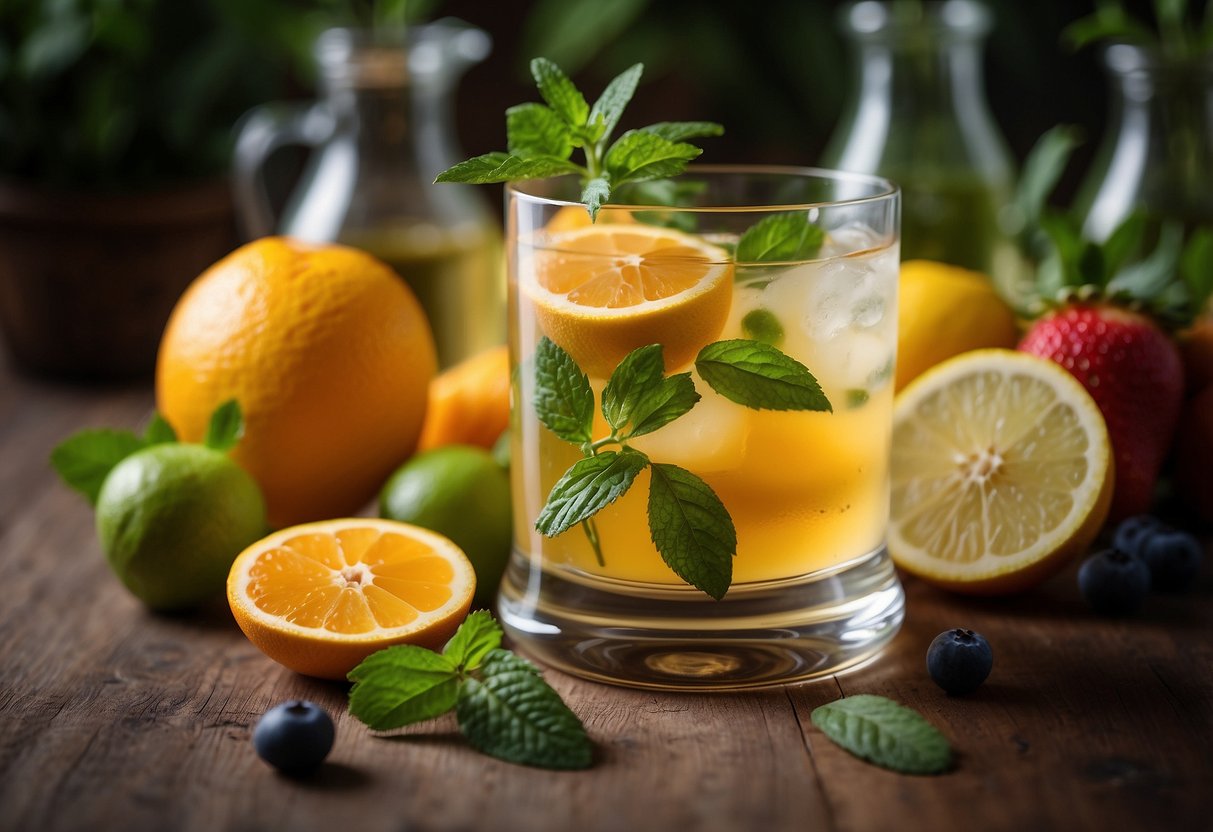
(888, 190)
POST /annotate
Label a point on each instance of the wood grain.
(115, 718)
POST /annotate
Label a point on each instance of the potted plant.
(115, 134)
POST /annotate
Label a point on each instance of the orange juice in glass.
(701, 427)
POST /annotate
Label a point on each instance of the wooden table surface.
(115, 718)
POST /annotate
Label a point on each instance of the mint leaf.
(476, 636)
(511, 713)
(589, 486)
(564, 401)
(857, 397)
(1146, 278)
(559, 92)
(639, 372)
(502, 167)
(1124, 241)
(1043, 168)
(680, 131)
(159, 431)
(595, 194)
(885, 733)
(639, 155)
(1196, 265)
(691, 529)
(85, 459)
(609, 106)
(762, 325)
(401, 685)
(673, 397)
(534, 130)
(225, 428)
(780, 238)
(759, 376)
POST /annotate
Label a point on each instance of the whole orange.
(329, 355)
(469, 403)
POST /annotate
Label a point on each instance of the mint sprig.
(502, 704)
(541, 139)
(883, 732)
(85, 458)
(688, 524)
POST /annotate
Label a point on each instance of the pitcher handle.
(259, 133)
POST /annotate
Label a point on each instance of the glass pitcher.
(1158, 155)
(380, 134)
(918, 115)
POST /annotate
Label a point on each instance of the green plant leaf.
(589, 486)
(595, 193)
(883, 732)
(563, 400)
(672, 398)
(1124, 242)
(533, 130)
(1196, 267)
(759, 376)
(1041, 171)
(159, 431)
(1109, 22)
(225, 428)
(511, 713)
(559, 92)
(639, 155)
(638, 373)
(780, 238)
(691, 529)
(573, 32)
(610, 105)
(1149, 277)
(401, 685)
(476, 636)
(680, 131)
(762, 325)
(84, 460)
(857, 397)
(502, 167)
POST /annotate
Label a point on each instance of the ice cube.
(711, 437)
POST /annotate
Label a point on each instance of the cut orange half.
(1001, 470)
(602, 291)
(321, 597)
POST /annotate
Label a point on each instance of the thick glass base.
(654, 636)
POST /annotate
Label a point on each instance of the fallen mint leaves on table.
(503, 705)
(883, 732)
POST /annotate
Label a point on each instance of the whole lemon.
(945, 310)
(329, 355)
(459, 491)
(172, 518)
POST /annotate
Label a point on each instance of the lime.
(461, 492)
(172, 518)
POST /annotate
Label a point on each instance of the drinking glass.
(813, 590)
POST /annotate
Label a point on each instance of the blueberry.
(959, 660)
(1132, 534)
(1113, 582)
(294, 736)
(1173, 558)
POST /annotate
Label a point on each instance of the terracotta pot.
(87, 281)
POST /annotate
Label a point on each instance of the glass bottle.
(1157, 155)
(918, 115)
(380, 134)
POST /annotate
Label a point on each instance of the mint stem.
(591, 533)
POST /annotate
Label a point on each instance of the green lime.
(459, 491)
(172, 518)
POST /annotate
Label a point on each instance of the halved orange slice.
(321, 597)
(602, 291)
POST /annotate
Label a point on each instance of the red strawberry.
(1133, 371)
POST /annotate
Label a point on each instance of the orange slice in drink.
(321, 597)
(602, 291)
